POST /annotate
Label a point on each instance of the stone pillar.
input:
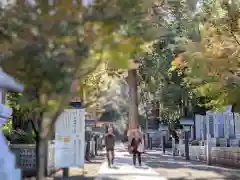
(237, 125)
(198, 126)
(208, 145)
(226, 118)
(202, 137)
(215, 121)
(202, 122)
(226, 125)
(231, 124)
(209, 149)
(208, 123)
(192, 133)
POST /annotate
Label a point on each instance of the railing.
(26, 156)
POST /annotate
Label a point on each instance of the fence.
(26, 157)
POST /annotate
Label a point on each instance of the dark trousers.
(110, 160)
(137, 155)
(87, 153)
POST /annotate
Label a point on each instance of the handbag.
(140, 147)
(130, 149)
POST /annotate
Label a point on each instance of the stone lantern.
(8, 171)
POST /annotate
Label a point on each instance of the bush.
(195, 143)
(7, 129)
(17, 136)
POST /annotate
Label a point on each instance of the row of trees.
(49, 44)
(195, 66)
(193, 61)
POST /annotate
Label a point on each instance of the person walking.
(110, 144)
(137, 147)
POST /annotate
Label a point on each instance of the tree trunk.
(37, 139)
(41, 151)
(41, 159)
(146, 123)
(37, 153)
(133, 101)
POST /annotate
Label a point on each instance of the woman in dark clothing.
(134, 149)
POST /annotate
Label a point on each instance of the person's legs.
(139, 158)
(134, 158)
(87, 153)
(108, 159)
(112, 156)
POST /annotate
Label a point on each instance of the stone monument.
(8, 170)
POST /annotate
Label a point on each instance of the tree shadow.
(134, 175)
(74, 178)
(166, 164)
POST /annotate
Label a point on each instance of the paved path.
(123, 168)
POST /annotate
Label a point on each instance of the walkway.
(124, 170)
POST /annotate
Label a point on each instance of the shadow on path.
(83, 178)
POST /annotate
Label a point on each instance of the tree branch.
(34, 128)
(235, 37)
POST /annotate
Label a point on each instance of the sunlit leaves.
(213, 63)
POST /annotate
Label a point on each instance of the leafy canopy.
(48, 44)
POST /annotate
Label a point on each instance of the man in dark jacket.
(110, 144)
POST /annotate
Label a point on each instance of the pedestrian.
(137, 147)
(110, 144)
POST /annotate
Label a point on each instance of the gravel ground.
(89, 173)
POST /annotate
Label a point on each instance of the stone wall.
(228, 156)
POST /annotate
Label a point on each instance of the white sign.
(70, 139)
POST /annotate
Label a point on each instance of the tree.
(212, 63)
(51, 44)
(158, 74)
(160, 83)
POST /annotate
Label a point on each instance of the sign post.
(70, 139)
